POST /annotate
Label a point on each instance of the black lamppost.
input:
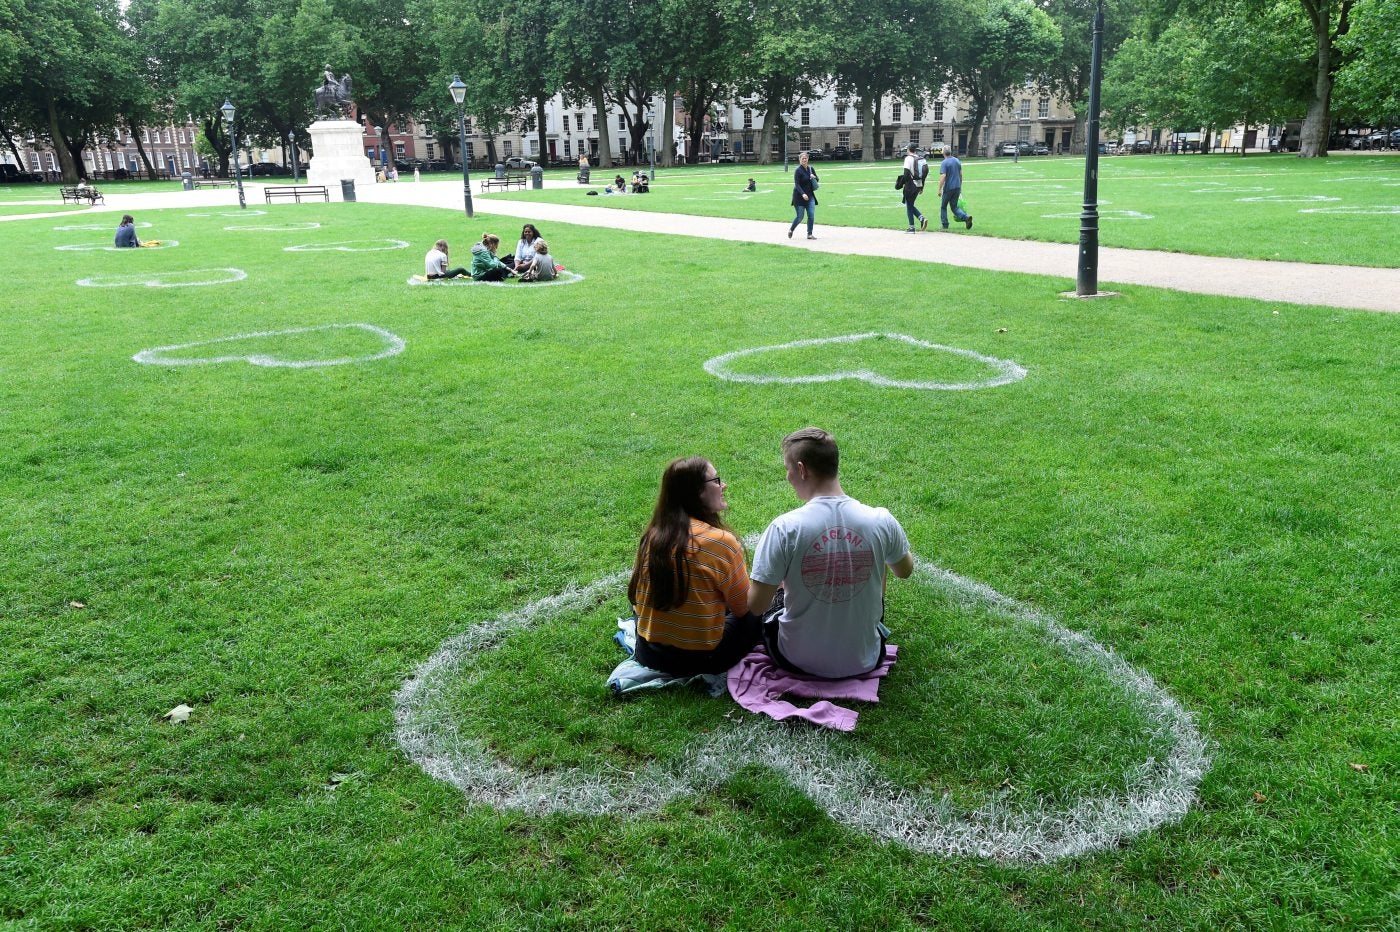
(384, 149)
(651, 140)
(1088, 280)
(292, 147)
(229, 113)
(459, 94)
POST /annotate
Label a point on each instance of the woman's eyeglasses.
(716, 480)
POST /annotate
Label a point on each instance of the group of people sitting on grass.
(815, 596)
(641, 184)
(531, 261)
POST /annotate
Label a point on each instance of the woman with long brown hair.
(690, 583)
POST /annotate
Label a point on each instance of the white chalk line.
(166, 279)
(108, 247)
(1384, 209)
(1240, 190)
(350, 245)
(393, 345)
(1007, 371)
(1115, 214)
(97, 227)
(231, 213)
(560, 278)
(1286, 199)
(282, 228)
(818, 763)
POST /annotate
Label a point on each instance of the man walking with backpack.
(950, 188)
(915, 174)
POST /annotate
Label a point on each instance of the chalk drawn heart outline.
(852, 791)
(156, 356)
(110, 247)
(1007, 371)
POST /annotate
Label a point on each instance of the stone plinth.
(337, 152)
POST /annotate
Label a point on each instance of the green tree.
(1368, 85)
(1068, 75)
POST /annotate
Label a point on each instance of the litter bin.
(347, 190)
(188, 180)
(500, 170)
(537, 178)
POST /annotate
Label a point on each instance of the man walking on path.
(830, 558)
(915, 174)
(950, 188)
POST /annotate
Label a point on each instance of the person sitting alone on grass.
(435, 263)
(689, 585)
(126, 232)
(540, 268)
(485, 266)
(752, 186)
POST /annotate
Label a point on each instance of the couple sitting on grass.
(531, 262)
(816, 593)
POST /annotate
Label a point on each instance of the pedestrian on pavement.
(804, 195)
(950, 188)
(915, 174)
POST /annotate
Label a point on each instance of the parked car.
(841, 152)
(818, 155)
(1013, 147)
(1040, 148)
(519, 164)
(1143, 146)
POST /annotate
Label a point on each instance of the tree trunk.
(600, 107)
(772, 123)
(8, 136)
(1312, 139)
(66, 165)
(543, 129)
(141, 151)
(993, 108)
(870, 110)
(666, 134)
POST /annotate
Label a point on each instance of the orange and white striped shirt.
(719, 579)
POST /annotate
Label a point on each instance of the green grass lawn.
(1255, 208)
(1203, 485)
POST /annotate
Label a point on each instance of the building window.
(805, 118)
(938, 135)
(1023, 134)
(938, 111)
(805, 140)
(860, 117)
(748, 119)
(595, 122)
(1024, 109)
(918, 113)
(913, 137)
(578, 122)
(843, 139)
(431, 147)
(621, 121)
(145, 135)
(399, 150)
(621, 145)
(568, 147)
(1045, 108)
(896, 112)
(470, 152)
(840, 116)
(510, 148)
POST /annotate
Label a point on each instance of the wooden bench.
(214, 184)
(511, 180)
(297, 192)
(76, 194)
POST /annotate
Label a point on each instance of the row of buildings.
(730, 131)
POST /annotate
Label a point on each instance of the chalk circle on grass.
(97, 227)
(229, 213)
(1240, 190)
(1287, 199)
(188, 278)
(255, 353)
(852, 790)
(562, 278)
(1353, 209)
(276, 228)
(1006, 370)
(108, 247)
(350, 245)
(1103, 215)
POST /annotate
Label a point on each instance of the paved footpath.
(1284, 282)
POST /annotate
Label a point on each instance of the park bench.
(511, 180)
(76, 194)
(214, 184)
(297, 192)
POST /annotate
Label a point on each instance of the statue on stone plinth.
(333, 97)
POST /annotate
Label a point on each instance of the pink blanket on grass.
(758, 684)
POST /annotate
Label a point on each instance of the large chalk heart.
(108, 247)
(187, 278)
(297, 348)
(1005, 370)
(852, 789)
(350, 245)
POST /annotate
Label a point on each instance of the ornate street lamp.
(292, 147)
(1087, 282)
(651, 140)
(459, 94)
(229, 113)
(784, 120)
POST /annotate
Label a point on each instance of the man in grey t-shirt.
(829, 557)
